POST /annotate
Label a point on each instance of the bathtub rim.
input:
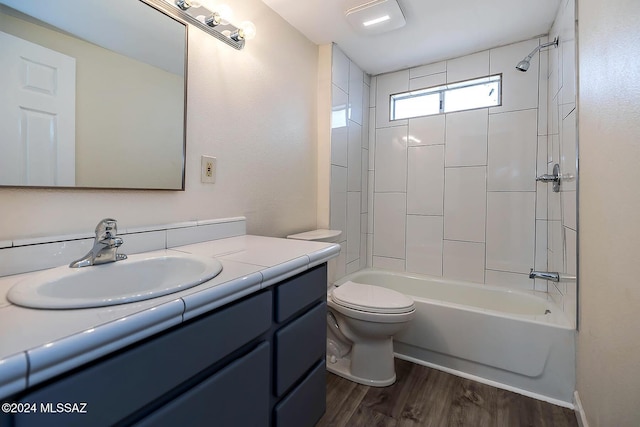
(557, 319)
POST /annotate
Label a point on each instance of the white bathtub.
(510, 339)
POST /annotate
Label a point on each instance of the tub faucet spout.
(554, 277)
(105, 246)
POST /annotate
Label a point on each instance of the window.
(466, 95)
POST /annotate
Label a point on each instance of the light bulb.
(213, 20)
(183, 4)
(249, 30)
(225, 13)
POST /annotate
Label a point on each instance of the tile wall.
(562, 149)
(349, 160)
(455, 195)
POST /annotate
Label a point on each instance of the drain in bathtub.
(547, 311)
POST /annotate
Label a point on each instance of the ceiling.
(435, 29)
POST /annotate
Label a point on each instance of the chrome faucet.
(554, 277)
(105, 246)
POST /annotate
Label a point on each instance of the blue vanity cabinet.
(299, 381)
(257, 362)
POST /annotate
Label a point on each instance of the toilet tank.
(320, 235)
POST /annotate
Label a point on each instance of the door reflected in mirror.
(91, 102)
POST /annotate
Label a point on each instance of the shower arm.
(542, 46)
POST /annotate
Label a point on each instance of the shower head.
(524, 64)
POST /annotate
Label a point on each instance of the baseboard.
(580, 415)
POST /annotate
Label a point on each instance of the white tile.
(354, 157)
(356, 87)
(556, 245)
(370, 248)
(22, 259)
(510, 231)
(144, 242)
(391, 159)
(467, 138)
(392, 264)
(339, 132)
(569, 215)
(364, 184)
(363, 239)
(373, 89)
(553, 117)
(571, 240)
(340, 265)
(388, 84)
(338, 209)
(353, 226)
(543, 95)
(13, 375)
(353, 266)
(519, 90)
(190, 235)
(465, 204)
(468, 67)
(554, 207)
(372, 137)
(389, 225)
(509, 280)
(425, 70)
(429, 130)
(463, 261)
(365, 118)
(428, 81)
(513, 141)
(340, 69)
(555, 75)
(424, 244)
(541, 200)
(541, 246)
(542, 162)
(568, 153)
(425, 180)
(370, 197)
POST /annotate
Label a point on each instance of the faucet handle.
(106, 228)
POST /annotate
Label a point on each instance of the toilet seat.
(371, 299)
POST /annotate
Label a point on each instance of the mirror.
(93, 95)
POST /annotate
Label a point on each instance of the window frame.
(441, 90)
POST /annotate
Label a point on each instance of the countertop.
(36, 345)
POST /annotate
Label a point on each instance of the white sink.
(137, 278)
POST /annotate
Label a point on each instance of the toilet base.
(342, 368)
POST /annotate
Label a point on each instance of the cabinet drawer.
(124, 383)
(306, 404)
(298, 346)
(299, 292)
(236, 396)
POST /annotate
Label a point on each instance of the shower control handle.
(555, 178)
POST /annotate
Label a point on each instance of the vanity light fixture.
(212, 20)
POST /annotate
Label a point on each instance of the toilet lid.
(373, 299)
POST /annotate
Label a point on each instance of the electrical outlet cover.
(208, 170)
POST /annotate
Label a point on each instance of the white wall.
(455, 195)
(608, 378)
(255, 110)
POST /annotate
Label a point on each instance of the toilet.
(361, 322)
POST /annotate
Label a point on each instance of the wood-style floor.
(423, 396)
